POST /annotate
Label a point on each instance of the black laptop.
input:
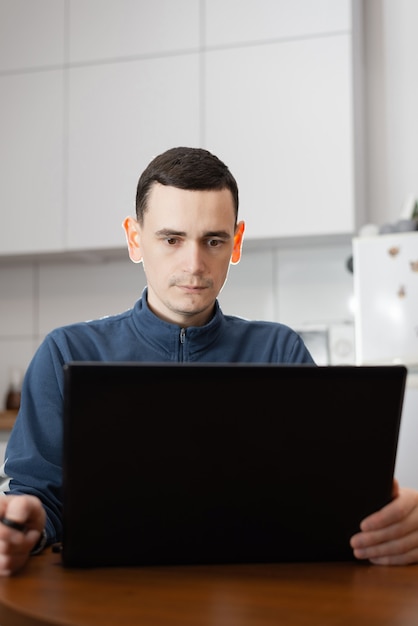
(178, 464)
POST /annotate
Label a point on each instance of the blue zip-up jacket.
(33, 459)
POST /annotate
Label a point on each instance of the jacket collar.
(166, 337)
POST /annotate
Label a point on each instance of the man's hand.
(390, 536)
(24, 520)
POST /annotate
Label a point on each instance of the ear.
(238, 239)
(131, 228)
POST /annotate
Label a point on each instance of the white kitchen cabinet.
(279, 108)
(31, 34)
(31, 126)
(234, 22)
(124, 29)
(31, 162)
(120, 117)
(99, 87)
(133, 92)
(280, 114)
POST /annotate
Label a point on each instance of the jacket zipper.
(182, 341)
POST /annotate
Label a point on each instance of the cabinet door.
(125, 29)
(243, 22)
(120, 117)
(133, 93)
(31, 159)
(279, 108)
(31, 126)
(31, 34)
(280, 114)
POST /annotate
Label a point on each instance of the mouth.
(191, 288)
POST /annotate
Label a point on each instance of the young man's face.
(186, 244)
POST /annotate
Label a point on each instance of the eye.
(171, 241)
(213, 243)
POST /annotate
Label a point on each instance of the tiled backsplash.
(299, 287)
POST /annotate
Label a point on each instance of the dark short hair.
(185, 168)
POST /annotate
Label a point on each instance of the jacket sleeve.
(33, 457)
(299, 352)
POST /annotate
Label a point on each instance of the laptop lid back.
(224, 463)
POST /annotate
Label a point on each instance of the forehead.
(173, 204)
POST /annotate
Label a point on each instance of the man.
(186, 235)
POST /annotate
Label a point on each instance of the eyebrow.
(166, 232)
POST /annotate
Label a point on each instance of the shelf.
(7, 419)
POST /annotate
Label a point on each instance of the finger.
(398, 538)
(401, 551)
(14, 555)
(25, 510)
(12, 524)
(396, 511)
(409, 558)
(408, 527)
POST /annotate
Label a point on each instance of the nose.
(194, 261)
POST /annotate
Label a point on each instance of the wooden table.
(343, 594)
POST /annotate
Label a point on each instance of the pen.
(12, 524)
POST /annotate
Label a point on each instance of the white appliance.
(385, 269)
(406, 470)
